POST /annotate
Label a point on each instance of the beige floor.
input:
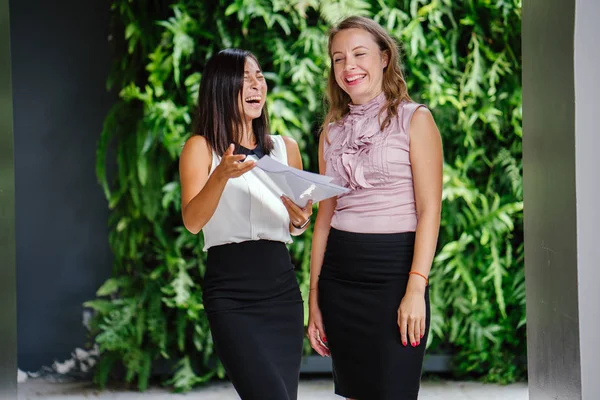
(312, 389)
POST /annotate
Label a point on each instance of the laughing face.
(254, 91)
(358, 64)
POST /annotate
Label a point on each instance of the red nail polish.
(404, 343)
(413, 344)
(324, 339)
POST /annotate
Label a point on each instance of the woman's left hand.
(411, 318)
(298, 215)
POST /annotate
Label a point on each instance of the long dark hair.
(218, 115)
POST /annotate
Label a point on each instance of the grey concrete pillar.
(561, 148)
(8, 285)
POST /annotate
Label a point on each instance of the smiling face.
(358, 64)
(254, 92)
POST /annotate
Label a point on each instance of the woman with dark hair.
(251, 294)
(373, 247)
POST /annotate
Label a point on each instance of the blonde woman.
(373, 247)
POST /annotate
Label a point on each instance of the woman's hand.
(231, 165)
(411, 317)
(316, 332)
(298, 215)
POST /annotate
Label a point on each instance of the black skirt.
(254, 308)
(362, 282)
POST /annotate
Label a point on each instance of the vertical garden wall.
(462, 59)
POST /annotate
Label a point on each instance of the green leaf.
(111, 285)
(102, 306)
(144, 372)
(185, 378)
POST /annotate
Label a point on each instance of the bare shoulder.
(290, 143)
(196, 142)
(323, 139)
(196, 152)
(422, 123)
(197, 145)
(293, 152)
(422, 115)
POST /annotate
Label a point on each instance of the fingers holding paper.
(299, 216)
(298, 184)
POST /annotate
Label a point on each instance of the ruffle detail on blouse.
(349, 153)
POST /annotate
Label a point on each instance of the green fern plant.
(459, 59)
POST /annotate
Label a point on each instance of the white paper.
(300, 186)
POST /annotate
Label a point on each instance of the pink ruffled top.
(375, 165)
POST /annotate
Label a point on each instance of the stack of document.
(300, 186)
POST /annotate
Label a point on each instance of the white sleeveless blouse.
(248, 208)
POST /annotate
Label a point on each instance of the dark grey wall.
(8, 289)
(60, 62)
(587, 147)
(550, 217)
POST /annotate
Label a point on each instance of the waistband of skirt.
(247, 247)
(372, 238)
(248, 258)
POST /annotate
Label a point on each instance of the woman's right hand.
(231, 165)
(316, 332)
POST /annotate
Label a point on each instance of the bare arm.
(427, 162)
(200, 194)
(321, 230)
(316, 330)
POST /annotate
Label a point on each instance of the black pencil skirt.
(362, 282)
(254, 308)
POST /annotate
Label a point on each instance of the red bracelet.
(421, 275)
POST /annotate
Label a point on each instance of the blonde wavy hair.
(394, 85)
